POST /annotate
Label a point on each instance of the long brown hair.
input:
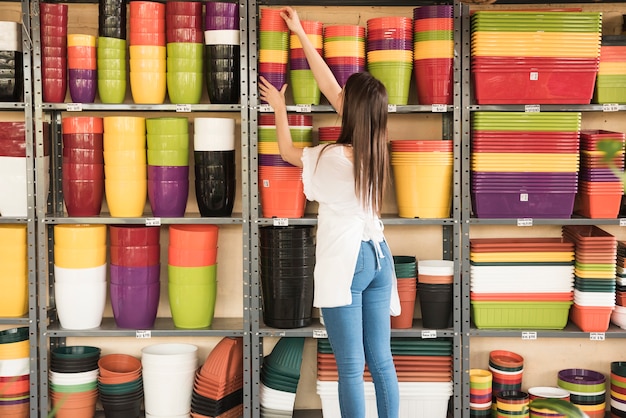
(364, 126)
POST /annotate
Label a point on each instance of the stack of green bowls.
(111, 65)
(184, 72)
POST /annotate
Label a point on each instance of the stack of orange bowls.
(83, 165)
(125, 165)
(281, 188)
(303, 85)
(53, 27)
(273, 47)
(185, 48)
(433, 53)
(390, 55)
(14, 275)
(344, 50)
(147, 52)
(81, 56)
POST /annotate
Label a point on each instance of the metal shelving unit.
(25, 108)
(50, 212)
(451, 246)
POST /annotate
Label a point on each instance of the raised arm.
(323, 75)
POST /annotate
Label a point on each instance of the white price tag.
(429, 333)
(534, 76)
(303, 108)
(183, 108)
(525, 222)
(266, 183)
(74, 107)
(153, 221)
(320, 333)
(439, 108)
(281, 221)
(529, 335)
(596, 336)
(143, 334)
(532, 108)
(523, 197)
(265, 108)
(610, 107)
(392, 108)
(622, 222)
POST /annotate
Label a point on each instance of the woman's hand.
(273, 97)
(290, 16)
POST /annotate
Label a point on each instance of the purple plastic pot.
(168, 198)
(134, 276)
(168, 173)
(83, 90)
(219, 8)
(135, 307)
(435, 11)
(581, 376)
(508, 205)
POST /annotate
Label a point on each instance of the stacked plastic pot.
(390, 55)
(480, 382)
(434, 289)
(53, 28)
(618, 316)
(14, 275)
(433, 53)
(148, 63)
(507, 370)
(280, 183)
(192, 271)
(120, 385)
(303, 85)
(600, 190)
(168, 165)
(328, 134)
(587, 390)
(11, 65)
(13, 183)
(594, 285)
(83, 165)
(215, 165)
(125, 171)
(82, 67)
(422, 177)
(14, 373)
(344, 50)
(280, 374)
(168, 374)
(111, 52)
(184, 51)
(135, 271)
(273, 47)
(611, 79)
(218, 386)
(112, 19)
(617, 388)
(73, 381)
(80, 271)
(286, 273)
(406, 271)
(222, 52)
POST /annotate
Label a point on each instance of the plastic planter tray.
(520, 315)
(514, 205)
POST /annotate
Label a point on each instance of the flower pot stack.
(73, 381)
(600, 190)
(390, 55)
(618, 316)
(83, 165)
(433, 53)
(280, 374)
(328, 134)
(14, 373)
(125, 167)
(618, 388)
(222, 52)
(587, 390)
(11, 62)
(13, 182)
(168, 165)
(273, 47)
(135, 272)
(120, 385)
(218, 386)
(480, 382)
(280, 183)
(192, 271)
(611, 79)
(214, 165)
(148, 63)
(82, 67)
(80, 269)
(53, 28)
(111, 52)
(303, 85)
(14, 274)
(594, 285)
(434, 289)
(344, 50)
(406, 271)
(184, 51)
(507, 370)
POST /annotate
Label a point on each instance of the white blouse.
(342, 224)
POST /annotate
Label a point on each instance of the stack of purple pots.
(135, 271)
(53, 26)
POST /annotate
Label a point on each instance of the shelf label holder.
(183, 108)
(143, 334)
(303, 108)
(525, 222)
(622, 222)
(265, 108)
(610, 107)
(429, 333)
(281, 222)
(392, 108)
(74, 107)
(597, 336)
(153, 221)
(529, 335)
(439, 108)
(532, 108)
(320, 333)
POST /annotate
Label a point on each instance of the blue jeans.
(361, 332)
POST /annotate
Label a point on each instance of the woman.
(355, 284)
